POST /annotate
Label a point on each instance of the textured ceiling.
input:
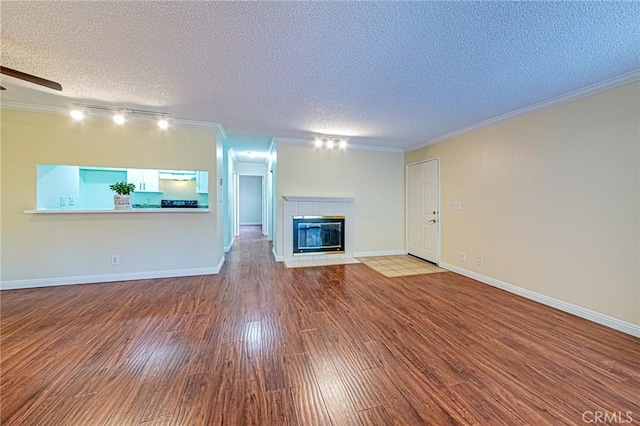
(392, 74)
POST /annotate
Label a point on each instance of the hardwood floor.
(264, 345)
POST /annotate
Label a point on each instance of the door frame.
(406, 206)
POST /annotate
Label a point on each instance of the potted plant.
(122, 199)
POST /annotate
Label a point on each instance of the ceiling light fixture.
(118, 119)
(330, 142)
(77, 114)
(120, 115)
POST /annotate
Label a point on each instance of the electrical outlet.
(480, 261)
(457, 205)
(463, 256)
(72, 200)
(115, 259)
(359, 243)
(63, 201)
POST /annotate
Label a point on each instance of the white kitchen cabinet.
(202, 182)
(145, 180)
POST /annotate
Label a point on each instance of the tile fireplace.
(324, 228)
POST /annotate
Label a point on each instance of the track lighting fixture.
(118, 119)
(330, 143)
(77, 114)
(120, 115)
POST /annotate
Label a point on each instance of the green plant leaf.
(122, 188)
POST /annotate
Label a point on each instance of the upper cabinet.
(202, 182)
(145, 180)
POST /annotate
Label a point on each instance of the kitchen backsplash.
(171, 190)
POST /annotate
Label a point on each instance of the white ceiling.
(395, 74)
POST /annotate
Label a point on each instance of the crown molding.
(47, 109)
(289, 141)
(222, 134)
(232, 154)
(358, 147)
(611, 83)
(61, 110)
(375, 148)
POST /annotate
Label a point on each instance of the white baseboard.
(89, 279)
(607, 321)
(275, 255)
(379, 253)
(219, 265)
(227, 249)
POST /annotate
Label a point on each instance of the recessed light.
(163, 124)
(330, 144)
(343, 144)
(318, 143)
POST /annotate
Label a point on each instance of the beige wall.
(375, 179)
(551, 201)
(71, 245)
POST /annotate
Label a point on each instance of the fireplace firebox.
(318, 234)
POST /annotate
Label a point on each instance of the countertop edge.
(169, 210)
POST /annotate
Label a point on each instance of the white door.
(423, 216)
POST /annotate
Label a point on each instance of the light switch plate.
(457, 205)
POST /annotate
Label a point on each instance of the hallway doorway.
(249, 202)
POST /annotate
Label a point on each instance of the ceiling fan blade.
(30, 78)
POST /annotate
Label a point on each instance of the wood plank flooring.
(259, 344)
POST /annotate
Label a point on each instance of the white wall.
(551, 201)
(63, 248)
(253, 169)
(250, 197)
(272, 189)
(54, 182)
(375, 179)
(94, 188)
(228, 191)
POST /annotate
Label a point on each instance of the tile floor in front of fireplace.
(400, 266)
(307, 262)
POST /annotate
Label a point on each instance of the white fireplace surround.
(317, 206)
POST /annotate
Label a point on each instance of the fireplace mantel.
(297, 199)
